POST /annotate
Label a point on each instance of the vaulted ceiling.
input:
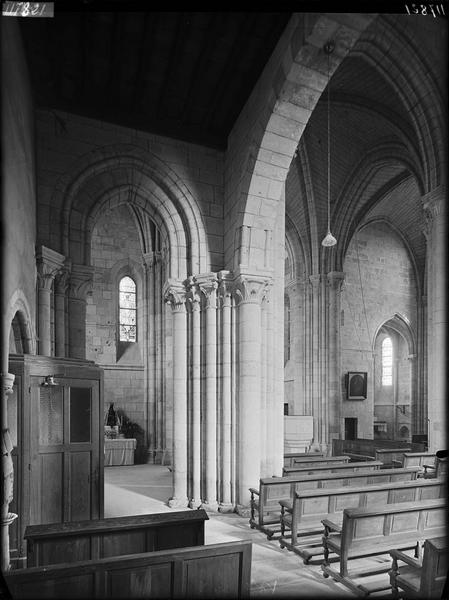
(180, 74)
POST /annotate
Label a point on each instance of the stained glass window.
(127, 310)
(387, 362)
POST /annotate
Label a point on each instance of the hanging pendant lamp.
(329, 240)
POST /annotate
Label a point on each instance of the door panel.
(51, 468)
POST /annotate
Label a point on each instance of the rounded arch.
(19, 317)
(289, 90)
(149, 183)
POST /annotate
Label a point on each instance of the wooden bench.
(370, 532)
(102, 538)
(415, 459)
(390, 456)
(420, 578)
(437, 469)
(359, 457)
(332, 468)
(315, 461)
(265, 500)
(214, 571)
(291, 456)
(368, 446)
(304, 516)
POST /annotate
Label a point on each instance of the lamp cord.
(328, 146)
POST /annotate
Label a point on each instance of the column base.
(243, 510)
(226, 507)
(195, 503)
(210, 506)
(178, 503)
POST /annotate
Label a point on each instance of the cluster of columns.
(319, 297)
(219, 356)
(436, 233)
(62, 291)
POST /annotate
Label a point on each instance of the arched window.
(127, 310)
(387, 362)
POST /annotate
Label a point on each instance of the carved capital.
(208, 284)
(175, 295)
(194, 295)
(251, 288)
(434, 205)
(49, 263)
(8, 382)
(315, 280)
(62, 281)
(81, 279)
(225, 287)
(151, 259)
(335, 279)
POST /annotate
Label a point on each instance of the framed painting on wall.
(356, 385)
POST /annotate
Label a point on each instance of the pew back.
(289, 457)
(315, 461)
(367, 531)
(417, 459)
(310, 506)
(390, 456)
(215, 571)
(274, 489)
(347, 467)
(89, 540)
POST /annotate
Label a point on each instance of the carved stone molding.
(193, 295)
(208, 284)
(175, 295)
(225, 287)
(434, 205)
(81, 280)
(251, 288)
(151, 259)
(62, 281)
(49, 263)
(315, 281)
(335, 279)
(8, 382)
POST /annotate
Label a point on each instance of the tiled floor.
(275, 573)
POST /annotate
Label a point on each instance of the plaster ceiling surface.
(181, 74)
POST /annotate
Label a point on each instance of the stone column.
(195, 442)
(175, 296)
(334, 426)
(81, 279)
(249, 290)
(226, 397)
(61, 288)
(208, 284)
(435, 208)
(7, 473)
(314, 326)
(49, 263)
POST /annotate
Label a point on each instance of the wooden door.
(65, 456)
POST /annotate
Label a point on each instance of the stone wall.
(18, 186)
(64, 138)
(387, 288)
(115, 252)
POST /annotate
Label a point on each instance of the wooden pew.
(265, 500)
(420, 578)
(415, 459)
(304, 517)
(213, 571)
(102, 538)
(347, 467)
(368, 446)
(315, 461)
(370, 532)
(390, 456)
(437, 469)
(289, 457)
(359, 457)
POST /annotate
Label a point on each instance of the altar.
(119, 451)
